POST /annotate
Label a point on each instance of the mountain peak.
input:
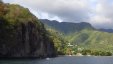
(67, 27)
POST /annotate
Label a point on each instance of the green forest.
(81, 36)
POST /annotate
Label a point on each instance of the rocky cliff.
(22, 34)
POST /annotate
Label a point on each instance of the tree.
(3, 9)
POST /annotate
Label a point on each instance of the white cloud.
(103, 17)
(97, 12)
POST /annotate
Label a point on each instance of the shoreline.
(35, 58)
(82, 56)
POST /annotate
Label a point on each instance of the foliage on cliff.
(59, 42)
(22, 34)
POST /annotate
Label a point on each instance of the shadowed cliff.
(22, 34)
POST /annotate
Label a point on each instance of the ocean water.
(63, 60)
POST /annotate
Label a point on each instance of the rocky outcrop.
(22, 36)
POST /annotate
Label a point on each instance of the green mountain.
(82, 35)
(66, 27)
(22, 34)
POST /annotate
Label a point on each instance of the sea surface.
(63, 60)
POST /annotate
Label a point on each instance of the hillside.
(93, 40)
(22, 34)
(82, 35)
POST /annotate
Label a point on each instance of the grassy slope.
(92, 39)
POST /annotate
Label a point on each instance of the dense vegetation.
(83, 36)
(93, 40)
(96, 53)
(58, 41)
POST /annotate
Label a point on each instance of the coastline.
(82, 56)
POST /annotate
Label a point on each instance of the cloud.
(103, 14)
(97, 12)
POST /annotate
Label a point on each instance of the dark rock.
(25, 40)
(22, 39)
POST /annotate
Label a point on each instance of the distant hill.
(67, 27)
(82, 34)
(106, 30)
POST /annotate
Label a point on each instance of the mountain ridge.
(106, 30)
(67, 27)
(46, 21)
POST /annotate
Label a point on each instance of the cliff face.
(22, 35)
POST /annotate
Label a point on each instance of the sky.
(99, 13)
